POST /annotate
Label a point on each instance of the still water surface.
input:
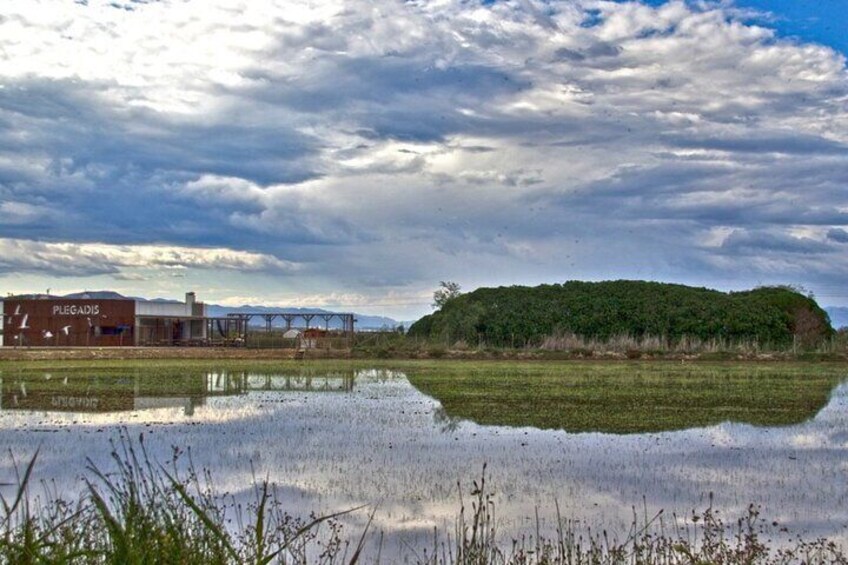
(340, 440)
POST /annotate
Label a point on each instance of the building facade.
(43, 321)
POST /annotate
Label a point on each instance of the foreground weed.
(143, 512)
(705, 539)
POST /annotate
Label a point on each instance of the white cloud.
(74, 259)
(391, 298)
(213, 189)
(12, 212)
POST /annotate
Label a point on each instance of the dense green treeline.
(518, 315)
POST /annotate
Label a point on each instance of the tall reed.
(625, 343)
(144, 512)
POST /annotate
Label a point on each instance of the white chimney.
(189, 301)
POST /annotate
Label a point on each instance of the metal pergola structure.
(347, 320)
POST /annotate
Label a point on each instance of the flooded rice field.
(340, 439)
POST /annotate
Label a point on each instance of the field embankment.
(399, 347)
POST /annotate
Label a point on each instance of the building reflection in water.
(105, 392)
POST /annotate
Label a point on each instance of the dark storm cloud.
(594, 51)
(116, 173)
(838, 235)
(392, 96)
(68, 120)
(340, 81)
(756, 242)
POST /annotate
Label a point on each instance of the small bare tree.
(447, 291)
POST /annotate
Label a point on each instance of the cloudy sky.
(351, 154)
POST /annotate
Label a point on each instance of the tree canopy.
(526, 315)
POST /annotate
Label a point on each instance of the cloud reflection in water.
(382, 441)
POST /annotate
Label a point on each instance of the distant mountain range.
(838, 316)
(363, 321)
